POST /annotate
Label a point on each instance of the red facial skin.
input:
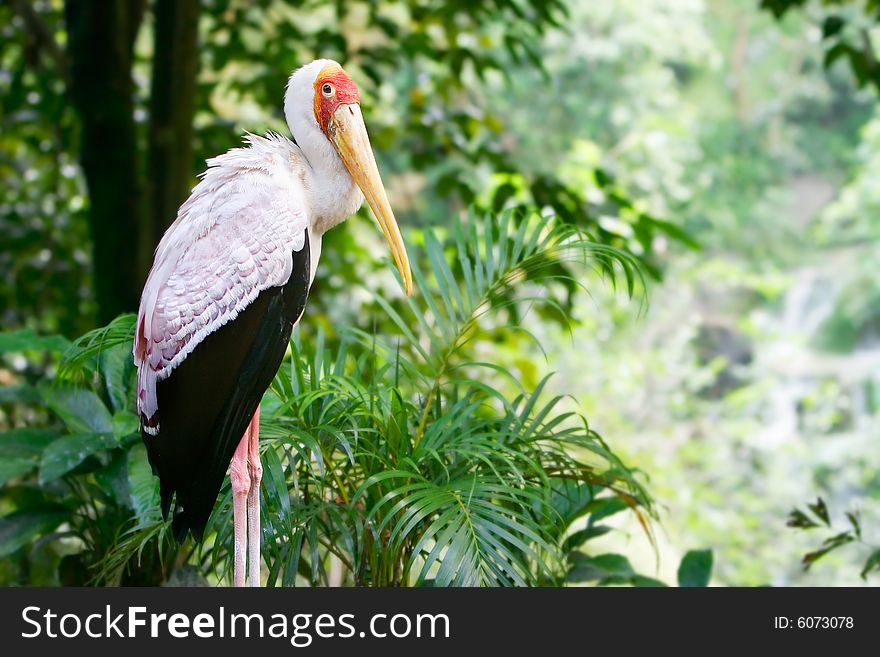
(345, 92)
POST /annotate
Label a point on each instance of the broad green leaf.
(25, 443)
(66, 453)
(21, 527)
(80, 408)
(117, 368)
(578, 538)
(27, 340)
(125, 423)
(642, 581)
(15, 467)
(605, 507)
(603, 566)
(695, 568)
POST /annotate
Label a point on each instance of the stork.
(228, 284)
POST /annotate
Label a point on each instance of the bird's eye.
(327, 90)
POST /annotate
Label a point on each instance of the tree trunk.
(100, 46)
(172, 108)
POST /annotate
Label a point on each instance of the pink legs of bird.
(256, 471)
(241, 484)
(246, 473)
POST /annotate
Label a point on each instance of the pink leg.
(241, 483)
(255, 469)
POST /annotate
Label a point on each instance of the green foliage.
(394, 457)
(391, 457)
(817, 517)
(430, 59)
(429, 72)
(846, 33)
(74, 486)
(28, 340)
(732, 126)
(695, 568)
(44, 278)
(21, 527)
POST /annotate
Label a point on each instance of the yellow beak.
(349, 134)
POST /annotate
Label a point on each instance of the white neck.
(333, 194)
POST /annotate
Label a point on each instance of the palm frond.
(75, 359)
(488, 265)
(398, 456)
(397, 450)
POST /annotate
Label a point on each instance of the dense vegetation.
(668, 204)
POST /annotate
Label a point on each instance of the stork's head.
(323, 103)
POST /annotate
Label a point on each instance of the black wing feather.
(208, 400)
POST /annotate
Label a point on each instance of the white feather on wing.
(232, 239)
